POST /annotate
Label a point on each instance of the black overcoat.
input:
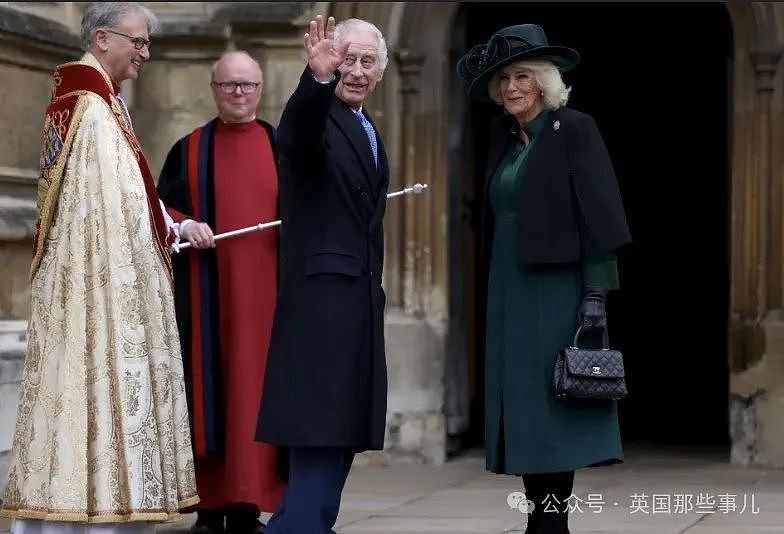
(326, 378)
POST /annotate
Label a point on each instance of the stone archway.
(414, 120)
(757, 296)
(408, 109)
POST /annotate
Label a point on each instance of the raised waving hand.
(324, 57)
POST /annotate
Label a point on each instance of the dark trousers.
(311, 501)
(550, 493)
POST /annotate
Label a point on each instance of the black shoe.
(208, 522)
(553, 523)
(243, 519)
(530, 525)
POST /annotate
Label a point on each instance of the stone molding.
(765, 63)
(18, 182)
(17, 218)
(34, 42)
(13, 346)
(191, 41)
(262, 13)
(13, 342)
(17, 203)
(410, 65)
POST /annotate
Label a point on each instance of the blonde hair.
(555, 94)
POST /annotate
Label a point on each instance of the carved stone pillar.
(13, 345)
(414, 344)
(770, 290)
(280, 55)
(410, 66)
(410, 72)
(756, 324)
(30, 48)
(172, 95)
(757, 269)
(272, 33)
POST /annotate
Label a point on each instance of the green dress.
(531, 315)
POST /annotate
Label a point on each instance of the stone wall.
(415, 406)
(12, 349)
(171, 97)
(756, 396)
(30, 48)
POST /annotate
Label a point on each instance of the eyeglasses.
(229, 87)
(138, 42)
(367, 62)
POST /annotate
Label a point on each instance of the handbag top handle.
(605, 338)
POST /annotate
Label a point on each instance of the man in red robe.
(223, 176)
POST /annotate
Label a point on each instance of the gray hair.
(555, 94)
(110, 15)
(349, 25)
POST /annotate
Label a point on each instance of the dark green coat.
(532, 314)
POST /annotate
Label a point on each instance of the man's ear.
(101, 39)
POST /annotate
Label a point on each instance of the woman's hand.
(592, 309)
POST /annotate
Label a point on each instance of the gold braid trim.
(158, 516)
(133, 142)
(49, 185)
(51, 178)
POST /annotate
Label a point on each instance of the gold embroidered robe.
(102, 432)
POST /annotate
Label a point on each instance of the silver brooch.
(556, 125)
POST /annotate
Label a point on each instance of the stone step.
(13, 336)
(13, 344)
(17, 217)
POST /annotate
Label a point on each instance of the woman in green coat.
(554, 219)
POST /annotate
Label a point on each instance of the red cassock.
(246, 192)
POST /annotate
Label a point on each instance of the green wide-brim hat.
(506, 46)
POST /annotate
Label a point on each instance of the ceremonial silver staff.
(413, 190)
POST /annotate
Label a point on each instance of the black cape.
(568, 187)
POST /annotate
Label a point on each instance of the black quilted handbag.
(589, 373)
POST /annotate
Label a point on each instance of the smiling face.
(520, 94)
(117, 52)
(236, 105)
(360, 72)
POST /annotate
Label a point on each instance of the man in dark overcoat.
(325, 390)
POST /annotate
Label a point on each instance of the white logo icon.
(517, 501)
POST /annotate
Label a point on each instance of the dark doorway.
(656, 78)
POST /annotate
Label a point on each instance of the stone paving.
(673, 492)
